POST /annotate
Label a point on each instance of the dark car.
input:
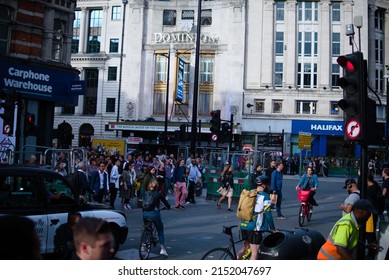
(46, 197)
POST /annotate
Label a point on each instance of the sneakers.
(280, 217)
(188, 202)
(177, 208)
(229, 209)
(163, 252)
(182, 207)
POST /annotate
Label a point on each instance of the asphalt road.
(192, 232)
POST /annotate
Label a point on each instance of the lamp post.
(125, 2)
(196, 82)
(167, 99)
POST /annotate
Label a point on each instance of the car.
(46, 197)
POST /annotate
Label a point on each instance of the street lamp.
(167, 99)
(196, 81)
(125, 2)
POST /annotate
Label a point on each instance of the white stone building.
(272, 64)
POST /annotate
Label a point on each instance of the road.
(191, 232)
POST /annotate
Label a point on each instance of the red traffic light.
(347, 62)
(30, 118)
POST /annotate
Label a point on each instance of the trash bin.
(296, 244)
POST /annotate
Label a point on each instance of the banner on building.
(180, 80)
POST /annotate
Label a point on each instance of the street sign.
(304, 142)
(353, 129)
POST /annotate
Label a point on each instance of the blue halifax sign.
(318, 127)
(33, 82)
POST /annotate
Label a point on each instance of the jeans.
(155, 216)
(278, 204)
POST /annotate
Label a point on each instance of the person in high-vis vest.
(344, 236)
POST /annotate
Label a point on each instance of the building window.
(335, 75)
(280, 9)
(206, 84)
(306, 107)
(277, 107)
(278, 74)
(110, 107)
(90, 98)
(308, 11)
(114, 45)
(160, 83)
(169, 17)
(112, 73)
(335, 6)
(187, 15)
(379, 80)
(279, 43)
(116, 13)
(335, 44)
(94, 31)
(161, 68)
(334, 108)
(206, 69)
(206, 17)
(76, 31)
(6, 16)
(159, 102)
(259, 105)
(307, 75)
(379, 20)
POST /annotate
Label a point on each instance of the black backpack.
(149, 201)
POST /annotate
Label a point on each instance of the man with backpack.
(261, 219)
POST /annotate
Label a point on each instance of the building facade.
(35, 71)
(270, 64)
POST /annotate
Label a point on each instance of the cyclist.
(155, 214)
(263, 220)
(309, 181)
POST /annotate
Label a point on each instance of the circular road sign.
(214, 137)
(353, 129)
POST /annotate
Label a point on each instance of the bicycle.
(305, 207)
(148, 240)
(228, 253)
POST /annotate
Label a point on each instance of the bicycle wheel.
(145, 245)
(301, 215)
(218, 254)
(309, 214)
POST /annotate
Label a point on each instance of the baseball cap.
(263, 179)
(348, 182)
(364, 204)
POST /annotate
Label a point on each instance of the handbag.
(273, 198)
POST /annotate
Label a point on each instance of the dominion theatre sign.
(184, 37)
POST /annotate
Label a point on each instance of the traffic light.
(225, 132)
(215, 124)
(29, 124)
(354, 100)
(8, 106)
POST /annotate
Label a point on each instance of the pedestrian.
(179, 181)
(251, 231)
(99, 183)
(353, 195)
(226, 186)
(127, 184)
(19, 239)
(270, 169)
(63, 237)
(276, 187)
(256, 173)
(82, 181)
(154, 213)
(309, 181)
(344, 236)
(385, 188)
(193, 176)
(114, 182)
(93, 239)
(161, 176)
(373, 193)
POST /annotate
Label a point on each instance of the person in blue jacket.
(309, 181)
(276, 187)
